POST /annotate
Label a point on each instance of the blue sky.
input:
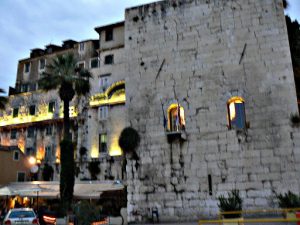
(28, 24)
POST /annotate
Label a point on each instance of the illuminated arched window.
(176, 119)
(236, 113)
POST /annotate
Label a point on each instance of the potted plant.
(232, 203)
(289, 201)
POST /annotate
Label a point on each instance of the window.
(21, 177)
(176, 118)
(30, 132)
(27, 67)
(51, 107)
(13, 134)
(32, 110)
(109, 35)
(109, 59)
(236, 113)
(104, 82)
(16, 156)
(24, 87)
(33, 87)
(15, 112)
(42, 64)
(81, 47)
(102, 143)
(103, 112)
(81, 65)
(48, 154)
(49, 130)
(94, 63)
(30, 151)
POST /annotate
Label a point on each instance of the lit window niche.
(176, 118)
(236, 113)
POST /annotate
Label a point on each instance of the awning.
(50, 190)
(94, 190)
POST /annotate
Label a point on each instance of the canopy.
(6, 191)
(50, 190)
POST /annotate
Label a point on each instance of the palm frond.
(82, 83)
(49, 81)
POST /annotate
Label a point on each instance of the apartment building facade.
(33, 118)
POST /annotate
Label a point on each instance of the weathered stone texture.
(191, 51)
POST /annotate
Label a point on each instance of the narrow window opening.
(51, 107)
(13, 134)
(176, 118)
(109, 35)
(209, 185)
(109, 59)
(32, 110)
(15, 112)
(21, 177)
(30, 132)
(102, 143)
(27, 67)
(16, 155)
(236, 113)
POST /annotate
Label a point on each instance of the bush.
(86, 212)
(232, 203)
(288, 200)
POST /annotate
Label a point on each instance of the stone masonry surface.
(200, 53)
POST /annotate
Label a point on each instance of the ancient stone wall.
(200, 53)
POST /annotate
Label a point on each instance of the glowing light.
(232, 110)
(94, 152)
(115, 152)
(103, 98)
(231, 104)
(43, 115)
(114, 148)
(173, 108)
(57, 161)
(32, 160)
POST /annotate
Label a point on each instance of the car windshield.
(21, 214)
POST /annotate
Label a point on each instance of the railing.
(241, 221)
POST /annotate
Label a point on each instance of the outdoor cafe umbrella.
(29, 190)
(6, 191)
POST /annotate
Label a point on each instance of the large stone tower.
(210, 89)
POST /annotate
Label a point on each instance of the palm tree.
(70, 80)
(3, 100)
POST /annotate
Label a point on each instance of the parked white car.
(21, 216)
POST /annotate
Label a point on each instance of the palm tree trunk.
(67, 163)
(67, 134)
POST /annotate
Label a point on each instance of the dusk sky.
(28, 24)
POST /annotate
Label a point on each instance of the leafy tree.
(129, 140)
(70, 80)
(3, 100)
